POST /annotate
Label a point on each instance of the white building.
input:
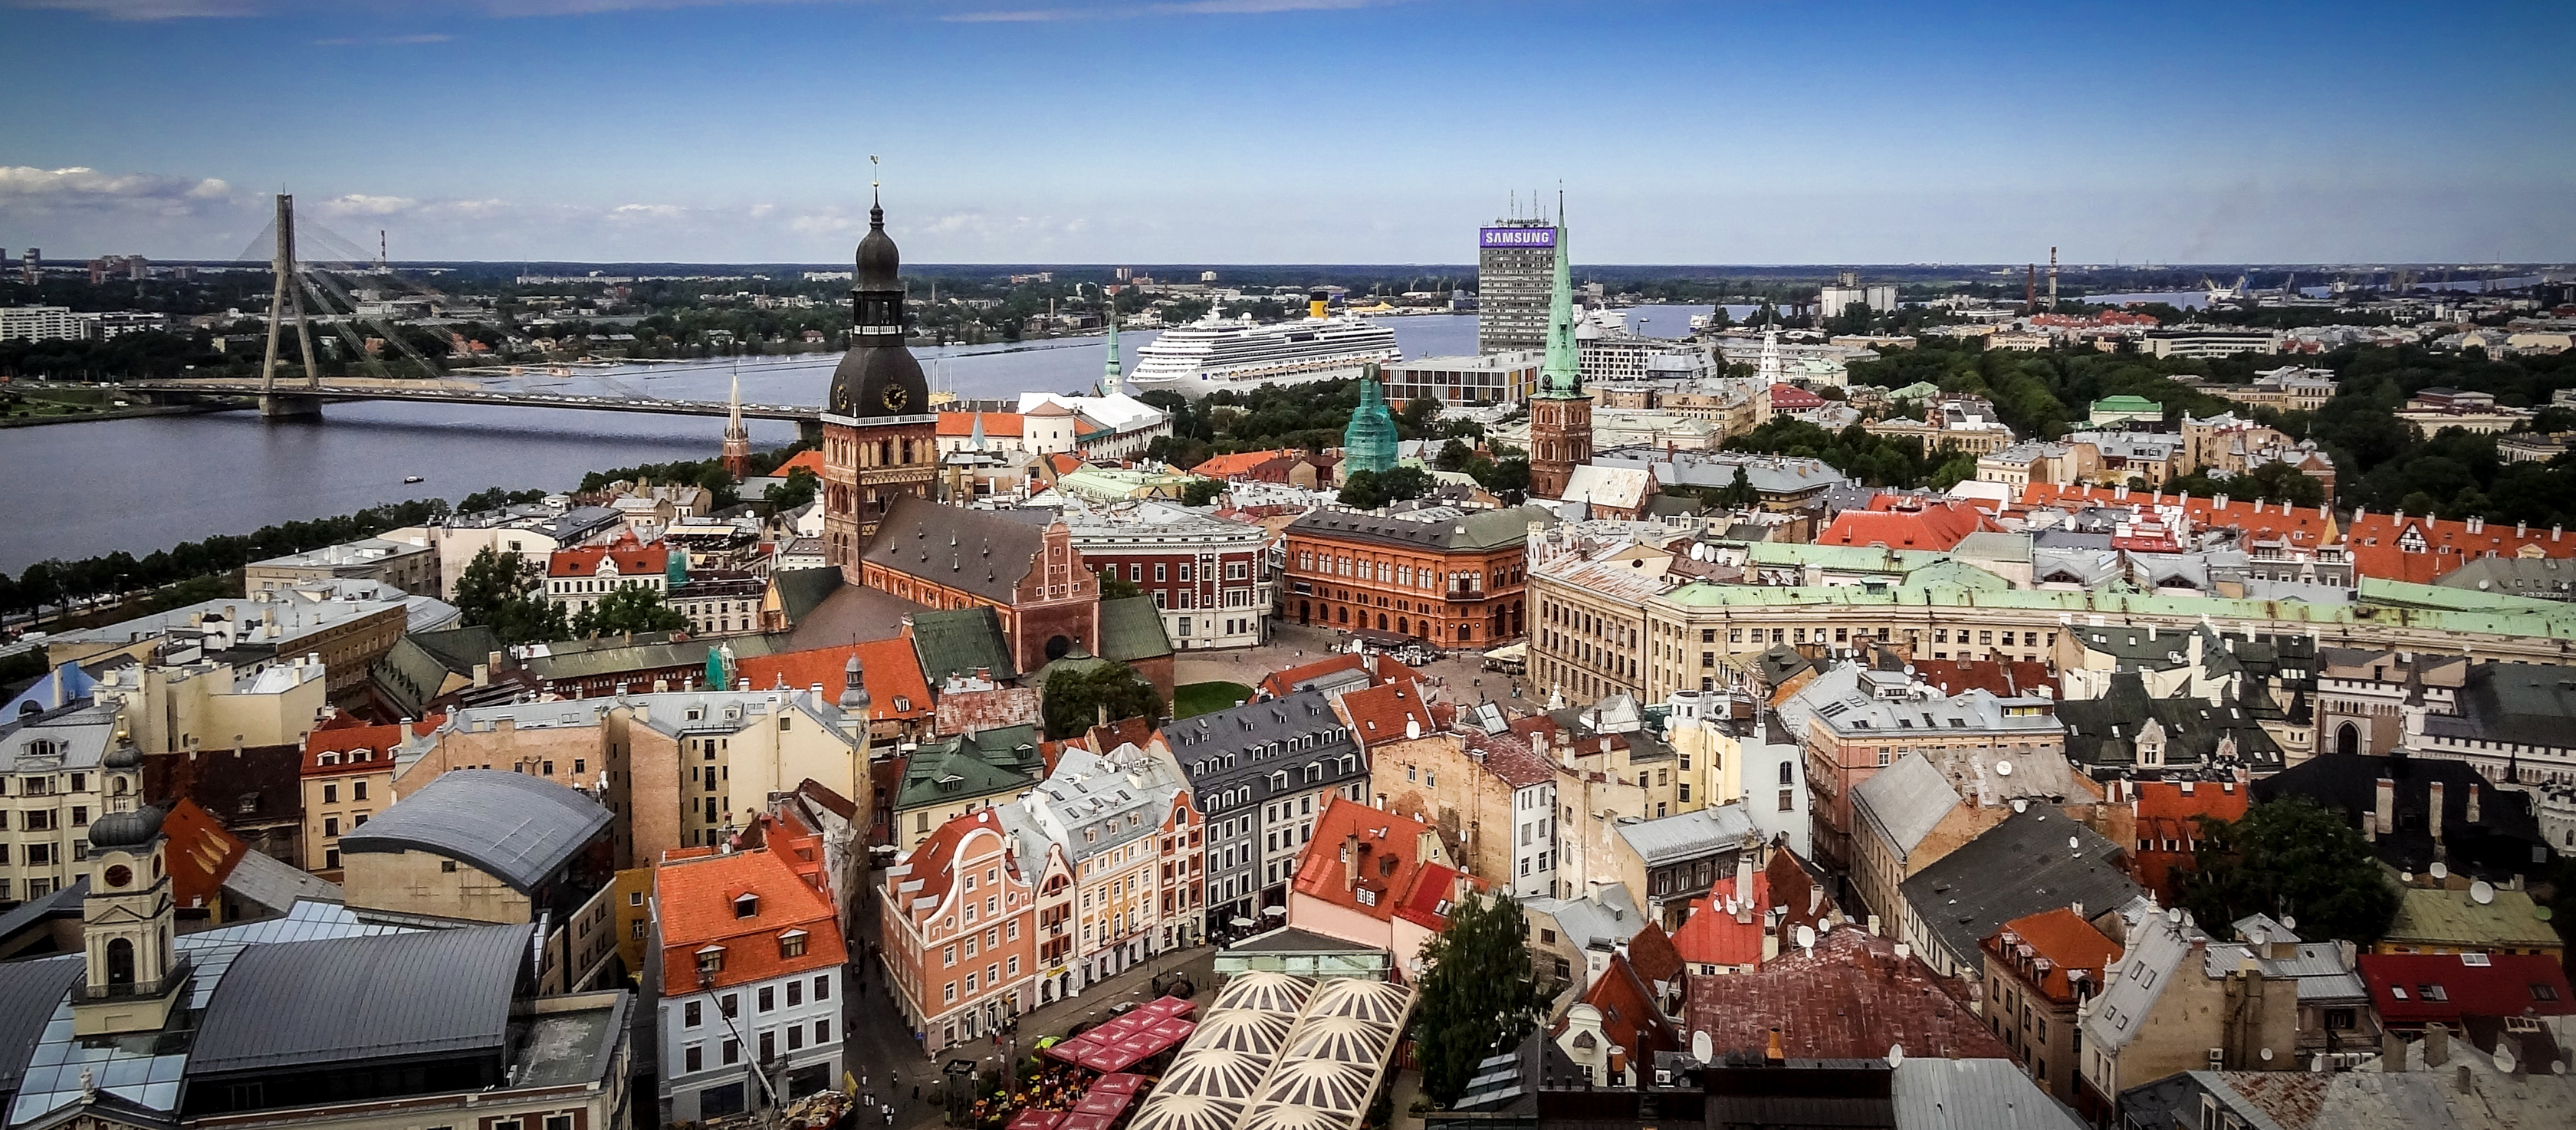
(749, 973)
(40, 323)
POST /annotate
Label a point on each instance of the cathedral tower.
(133, 974)
(880, 437)
(1560, 412)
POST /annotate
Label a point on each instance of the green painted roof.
(2444, 916)
(801, 590)
(2424, 606)
(956, 641)
(1131, 628)
(1003, 760)
(1850, 558)
(2126, 403)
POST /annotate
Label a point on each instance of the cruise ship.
(1215, 353)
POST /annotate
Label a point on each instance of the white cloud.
(79, 188)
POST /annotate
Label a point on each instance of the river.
(77, 490)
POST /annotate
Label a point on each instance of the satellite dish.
(2504, 1058)
(2267, 1055)
(2481, 892)
(2074, 842)
(2020, 804)
(2003, 768)
(1806, 937)
(2289, 922)
(1895, 1055)
(2439, 871)
(1701, 1049)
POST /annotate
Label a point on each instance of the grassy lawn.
(1193, 699)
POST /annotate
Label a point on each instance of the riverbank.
(134, 412)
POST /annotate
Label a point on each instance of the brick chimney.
(2473, 803)
(2387, 810)
(2433, 809)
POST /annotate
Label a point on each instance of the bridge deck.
(469, 392)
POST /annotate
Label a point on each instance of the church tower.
(133, 974)
(737, 440)
(1113, 379)
(1369, 443)
(1560, 412)
(880, 438)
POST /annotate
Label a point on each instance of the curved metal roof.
(517, 828)
(1268, 992)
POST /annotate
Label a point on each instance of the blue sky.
(1248, 131)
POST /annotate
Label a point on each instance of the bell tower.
(1560, 412)
(133, 974)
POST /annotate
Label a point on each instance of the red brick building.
(1021, 564)
(880, 436)
(1456, 580)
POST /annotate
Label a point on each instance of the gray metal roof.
(348, 1000)
(2021, 866)
(1905, 800)
(1690, 835)
(257, 878)
(1212, 748)
(519, 829)
(1609, 917)
(1974, 1094)
(1482, 530)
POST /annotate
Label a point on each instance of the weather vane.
(873, 184)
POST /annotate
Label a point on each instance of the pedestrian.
(916, 1092)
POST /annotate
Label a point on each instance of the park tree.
(1480, 992)
(1361, 489)
(796, 491)
(1114, 586)
(2289, 858)
(1398, 484)
(1454, 455)
(1077, 697)
(629, 608)
(499, 591)
(1201, 492)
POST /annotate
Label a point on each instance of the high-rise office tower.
(1515, 264)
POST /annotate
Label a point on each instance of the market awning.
(1034, 1119)
(1124, 1041)
(1119, 1084)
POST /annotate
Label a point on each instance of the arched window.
(120, 961)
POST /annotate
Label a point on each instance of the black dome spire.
(879, 376)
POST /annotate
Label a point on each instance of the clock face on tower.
(895, 398)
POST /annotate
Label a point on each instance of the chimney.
(2437, 1044)
(2392, 1052)
(1743, 888)
(2387, 811)
(1772, 1053)
(2473, 803)
(1350, 863)
(2433, 806)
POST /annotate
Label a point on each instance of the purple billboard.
(1506, 238)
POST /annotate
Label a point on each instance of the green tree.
(1401, 483)
(2289, 858)
(1361, 489)
(628, 608)
(499, 591)
(1480, 993)
(1454, 455)
(1076, 698)
(1201, 492)
(1113, 586)
(796, 491)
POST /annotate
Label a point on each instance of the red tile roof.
(1239, 463)
(1381, 670)
(2305, 527)
(631, 560)
(1436, 888)
(933, 861)
(2378, 544)
(344, 735)
(2163, 813)
(201, 854)
(1937, 526)
(1653, 955)
(2060, 937)
(1388, 713)
(890, 668)
(1713, 935)
(810, 462)
(696, 900)
(1791, 398)
(1066, 463)
(962, 424)
(1851, 999)
(1629, 1015)
(2509, 984)
(1387, 861)
(2003, 680)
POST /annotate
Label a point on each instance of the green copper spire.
(1562, 377)
(1368, 444)
(1112, 378)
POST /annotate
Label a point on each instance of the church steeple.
(737, 439)
(1562, 376)
(1113, 379)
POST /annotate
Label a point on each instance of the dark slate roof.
(958, 641)
(2502, 844)
(1472, 533)
(2517, 703)
(2102, 733)
(459, 649)
(847, 615)
(1131, 628)
(801, 590)
(29, 992)
(2021, 866)
(518, 828)
(983, 552)
(349, 1000)
(409, 676)
(1201, 743)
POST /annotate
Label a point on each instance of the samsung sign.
(1515, 237)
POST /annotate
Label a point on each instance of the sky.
(1294, 131)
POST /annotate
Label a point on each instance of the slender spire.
(1562, 375)
(1113, 378)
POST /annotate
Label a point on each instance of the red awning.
(1086, 1122)
(1105, 1104)
(1036, 1120)
(1124, 1041)
(1119, 1084)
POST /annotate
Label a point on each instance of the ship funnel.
(1315, 304)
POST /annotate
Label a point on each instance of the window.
(823, 987)
(768, 1046)
(792, 944)
(690, 1016)
(694, 1057)
(768, 998)
(2543, 991)
(330, 794)
(795, 993)
(732, 1050)
(822, 1031)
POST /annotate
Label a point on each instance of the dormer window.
(710, 961)
(330, 758)
(746, 905)
(791, 944)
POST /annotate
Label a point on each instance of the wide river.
(77, 490)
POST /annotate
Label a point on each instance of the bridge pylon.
(291, 401)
